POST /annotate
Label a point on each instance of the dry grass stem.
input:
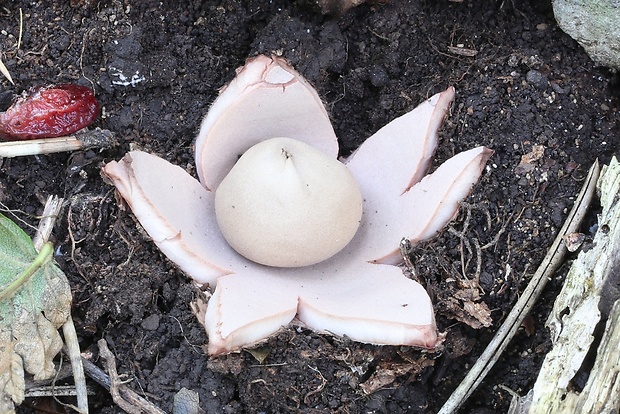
(5, 72)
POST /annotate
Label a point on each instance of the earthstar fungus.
(354, 288)
(287, 204)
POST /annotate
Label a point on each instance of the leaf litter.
(30, 314)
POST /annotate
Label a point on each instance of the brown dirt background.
(529, 84)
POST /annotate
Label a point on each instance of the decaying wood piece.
(527, 300)
(602, 390)
(576, 313)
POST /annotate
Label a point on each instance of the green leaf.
(35, 300)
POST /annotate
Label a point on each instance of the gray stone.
(536, 79)
(151, 323)
(595, 24)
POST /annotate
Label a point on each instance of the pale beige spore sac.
(287, 204)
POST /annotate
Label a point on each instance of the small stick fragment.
(73, 351)
(462, 51)
(53, 391)
(100, 377)
(21, 28)
(122, 396)
(97, 138)
(115, 382)
(46, 224)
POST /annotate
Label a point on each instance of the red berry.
(49, 111)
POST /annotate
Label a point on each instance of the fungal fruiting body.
(287, 204)
(377, 196)
(49, 111)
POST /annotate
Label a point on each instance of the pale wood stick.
(96, 138)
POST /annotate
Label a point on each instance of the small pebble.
(186, 402)
(151, 323)
(378, 76)
(536, 79)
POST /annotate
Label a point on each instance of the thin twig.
(53, 387)
(46, 223)
(115, 382)
(56, 391)
(498, 234)
(523, 306)
(476, 277)
(123, 396)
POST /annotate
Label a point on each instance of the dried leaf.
(480, 312)
(474, 314)
(387, 374)
(35, 302)
(531, 159)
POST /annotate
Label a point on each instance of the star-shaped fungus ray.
(421, 212)
(375, 304)
(369, 303)
(398, 155)
(177, 212)
(248, 307)
(266, 99)
(399, 201)
(357, 291)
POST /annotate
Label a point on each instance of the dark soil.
(529, 84)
